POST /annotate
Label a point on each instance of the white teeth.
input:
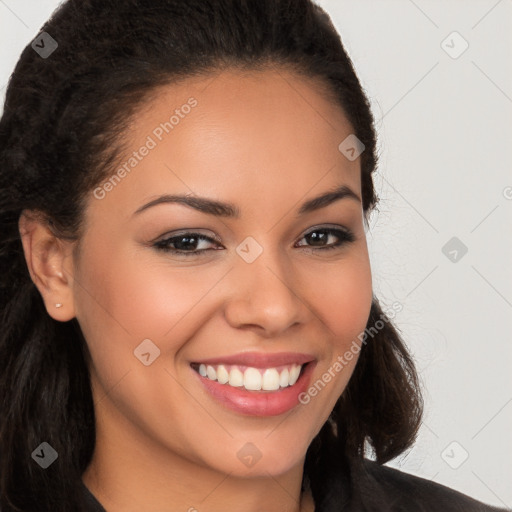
(294, 374)
(253, 379)
(270, 380)
(210, 371)
(236, 378)
(284, 378)
(222, 374)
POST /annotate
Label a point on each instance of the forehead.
(271, 132)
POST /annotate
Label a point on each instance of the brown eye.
(319, 237)
(183, 243)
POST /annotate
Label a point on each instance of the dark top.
(399, 491)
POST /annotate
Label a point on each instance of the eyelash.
(345, 236)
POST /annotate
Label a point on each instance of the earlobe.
(49, 262)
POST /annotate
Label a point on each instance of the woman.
(188, 316)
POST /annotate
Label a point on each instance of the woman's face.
(260, 294)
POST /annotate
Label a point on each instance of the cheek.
(140, 294)
(123, 303)
(343, 301)
(343, 297)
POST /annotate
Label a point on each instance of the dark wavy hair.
(60, 136)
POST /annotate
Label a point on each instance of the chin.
(270, 467)
(268, 457)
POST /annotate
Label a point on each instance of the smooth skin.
(265, 141)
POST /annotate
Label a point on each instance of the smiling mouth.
(250, 378)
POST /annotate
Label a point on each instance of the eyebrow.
(229, 210)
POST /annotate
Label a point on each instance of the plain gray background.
(439, 77)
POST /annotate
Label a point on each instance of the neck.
(130, 473)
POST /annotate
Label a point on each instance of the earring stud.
(59, 305)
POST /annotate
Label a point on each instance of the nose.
(263, 295)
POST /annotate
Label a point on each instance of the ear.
(50, 264)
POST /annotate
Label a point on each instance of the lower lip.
(259, 403)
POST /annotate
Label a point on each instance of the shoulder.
(408, 493)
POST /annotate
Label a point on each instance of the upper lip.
(260, 359)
